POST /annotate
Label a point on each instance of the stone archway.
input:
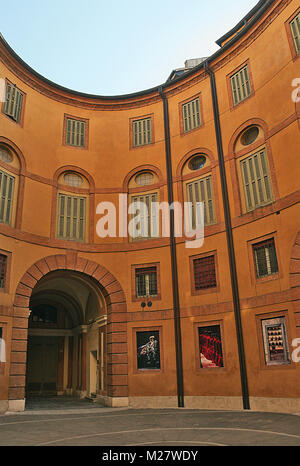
(116, 350)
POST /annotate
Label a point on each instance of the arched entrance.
(70, 314)
(66, 337)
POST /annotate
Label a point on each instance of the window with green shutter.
(256, 180)
(146, 220)
(240, 85)
(191, 115)
(13, 102)
(295, 28)
(71, 217)
(75, 132)
(265, 258)
(201, 191)
(6, 197)
(142, 132)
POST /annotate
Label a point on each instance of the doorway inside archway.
(66, 337)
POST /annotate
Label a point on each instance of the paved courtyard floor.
(61, 421)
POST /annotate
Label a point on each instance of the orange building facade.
(148, 319)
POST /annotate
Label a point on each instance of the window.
(144, 223)
(265, 258)
(295, 29)
(249, 135)
(204, 272)
(3, 266)
(13, 102)
(256, 180)
(275, 341)
(75, 132)
(72, 179)
(240, 85)
(142, 132)
(146, 282)
(71, 217)
(191, 115)
(6, 197)
(201, 191)
(197, 162)
(144, 179)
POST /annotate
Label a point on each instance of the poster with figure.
(210, 346)
(148, 350)
(2, 352)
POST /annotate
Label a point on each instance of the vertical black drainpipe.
(176, 305)
(230, 244)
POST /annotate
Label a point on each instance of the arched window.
(9, 179)
(72, 207)
(253, 168)
(198, 188)
(143, 206)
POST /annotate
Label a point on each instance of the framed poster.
(148, 350)
(275, 341)
(210, 346)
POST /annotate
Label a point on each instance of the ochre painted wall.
(108, 161)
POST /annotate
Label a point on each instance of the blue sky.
(119, 46)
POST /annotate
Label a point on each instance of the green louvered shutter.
(191, 115)
(240, 85)
(13, 102)
(142, 132)
(256, 180)
(295, 28)
(147, 216)
(75, 132)
(71, 217)
(6, 197)
(201, 191)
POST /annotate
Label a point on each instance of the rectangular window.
(142, 132)
(265, 258)
(75, 132)
(6, 197)
(210, 346)
(256, 180)
(145, 221)
(13, 102)
(71, 217)
(240, 85)
(201, 191)
(3, 265)
(295, 28)
(146, 282)
(191, 115)
(275, 341)
(204, 273)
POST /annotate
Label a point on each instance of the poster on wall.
(275, 341)
(210, 346)
(148, 350)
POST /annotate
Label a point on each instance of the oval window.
(250, 135)
(197, 162)
(143, 179)
(72, 179)
(5, 155)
